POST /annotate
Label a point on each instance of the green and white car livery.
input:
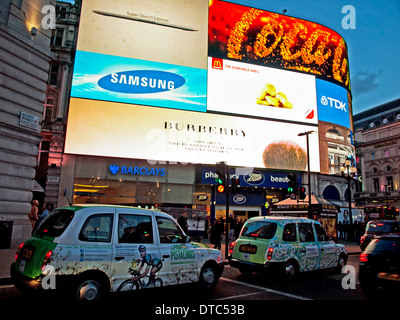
(96, 249)
(290, 245)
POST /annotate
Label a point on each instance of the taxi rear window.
(55, 223)
(383, 227)
(259, 229)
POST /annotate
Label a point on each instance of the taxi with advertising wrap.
(287, 245)
(97, 249)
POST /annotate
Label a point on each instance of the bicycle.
(137, 284)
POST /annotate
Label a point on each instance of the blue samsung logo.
(141, 81)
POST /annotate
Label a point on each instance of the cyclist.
(153, 263)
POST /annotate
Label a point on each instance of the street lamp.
(348, 172)
(310, 215)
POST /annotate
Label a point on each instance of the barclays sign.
(148, 171)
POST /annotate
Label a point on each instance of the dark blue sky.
(373, 46)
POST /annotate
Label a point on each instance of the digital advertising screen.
(159, 134)
(198, 81)
(246, 89)
(145, 52)
(265, 38)
(333, 104)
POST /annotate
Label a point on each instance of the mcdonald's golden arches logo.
(217, 63)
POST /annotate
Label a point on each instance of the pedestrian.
(182, 221)
(33, 214)
(340, 229)
(216, 234)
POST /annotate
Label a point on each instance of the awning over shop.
(318, 204)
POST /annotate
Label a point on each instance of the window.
(389, 183)
(259, 229)
(376, 184)
(321, 233)
(372, 155)
(57, 36)
(53, 75)
(48, 109)
(55, 223)
(97, 228)
(306, 232)
(289, 232)
(135, 229)
(169, 231)
(386, 153)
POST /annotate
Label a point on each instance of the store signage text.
(141, 81)
(137, 170)
(333, 103)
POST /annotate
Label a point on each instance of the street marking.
(294, 296)
(7, 286)
(240, 296)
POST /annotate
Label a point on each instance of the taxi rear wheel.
(208, 277)
(290, 270)
(90, 288)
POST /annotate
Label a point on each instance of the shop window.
(97, 228)
(135, 229)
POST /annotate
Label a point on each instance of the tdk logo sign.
(141, 81)
(334, 103)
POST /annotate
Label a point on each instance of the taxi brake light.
(46, 259)
(232, 245)
(364, 257)
(18, 250)
(270, 253)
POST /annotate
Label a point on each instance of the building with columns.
(377, 133)
(24, 63)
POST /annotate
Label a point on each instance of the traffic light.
(292, 182)
(221, 179)
(235, 184)
(302, 193)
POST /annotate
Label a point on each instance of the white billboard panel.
(131, 131)
(247, 89)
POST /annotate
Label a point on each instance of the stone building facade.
(24, 63)
(377, 134)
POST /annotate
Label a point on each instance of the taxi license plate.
(27, 254)
(248, 248)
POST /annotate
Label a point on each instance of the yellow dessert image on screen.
(269, 97)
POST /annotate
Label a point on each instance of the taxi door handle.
(165, 256)
(119, 258)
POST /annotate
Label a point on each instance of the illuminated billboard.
(158, 134)
(197, 81)
(260, 37)
(144, 52)
(253, 90)
(333, 105)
